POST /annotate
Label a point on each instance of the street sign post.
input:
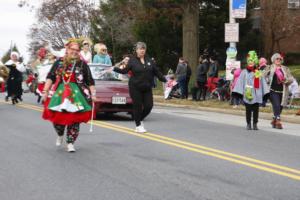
(230, 65)
(231, 32)
(239, 9)
(231, 52)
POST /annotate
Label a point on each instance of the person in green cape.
(253, 87)
(68, 94)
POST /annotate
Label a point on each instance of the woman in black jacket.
(201, 79)
(143, 70)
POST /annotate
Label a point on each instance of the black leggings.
(252, 108)
(142, 104)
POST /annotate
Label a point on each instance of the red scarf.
(256, 79)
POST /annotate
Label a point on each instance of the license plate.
(118, 100)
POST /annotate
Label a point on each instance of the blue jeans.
(182, 86)
(276, 99)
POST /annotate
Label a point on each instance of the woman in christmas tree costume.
(72, 91)
(252, 85)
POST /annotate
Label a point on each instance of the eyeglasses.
(85, 43)
(279, 59)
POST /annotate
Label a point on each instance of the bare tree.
(114, 27)
(58, 20)
(277, 24)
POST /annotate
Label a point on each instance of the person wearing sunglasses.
(102, 56)
(85, 52)
(279, 78)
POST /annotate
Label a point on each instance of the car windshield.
(100, 72)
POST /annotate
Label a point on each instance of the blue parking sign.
(239, 4)
(239, 8)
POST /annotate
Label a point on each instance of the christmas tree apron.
(68, 105)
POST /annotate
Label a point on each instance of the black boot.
(249, 127)
(39, 99)
(14, 100)
(255, 126)
(20, 98)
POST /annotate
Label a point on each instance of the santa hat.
(14, 53)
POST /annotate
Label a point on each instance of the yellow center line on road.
(242, 160)
(211, 149)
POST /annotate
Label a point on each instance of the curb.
(268, 116)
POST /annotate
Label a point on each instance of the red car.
(112, 91)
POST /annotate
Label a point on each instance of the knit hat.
(262, 62)
(252, 57)
(275, 56)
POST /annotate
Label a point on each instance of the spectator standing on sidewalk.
(236, 98)
(278, 78)
(213, 67)
(201, 79)
(262, 65)
(181, 72)
(252, 85)
(188, 77)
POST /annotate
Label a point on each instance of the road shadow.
(114, 117)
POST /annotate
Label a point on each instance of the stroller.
(171, 88)
(221, 91)
(31, 81)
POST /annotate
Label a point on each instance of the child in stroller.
(171, 88)
(222, 90)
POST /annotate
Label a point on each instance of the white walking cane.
(92, 119)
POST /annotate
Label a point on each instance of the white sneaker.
(70, 147)
(142, 123)
(59, 140)
(140, 129)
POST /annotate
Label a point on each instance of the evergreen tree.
(6, 56)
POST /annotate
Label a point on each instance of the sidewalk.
(159, 101)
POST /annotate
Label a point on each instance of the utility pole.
(232, 21)
(237, 9)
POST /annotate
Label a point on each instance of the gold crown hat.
(79, 41)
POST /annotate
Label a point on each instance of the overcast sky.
(14, 25)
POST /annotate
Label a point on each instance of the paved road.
(186, 155)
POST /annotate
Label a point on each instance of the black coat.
(213, 69)
(202, 72)
(14, 81)
(142, 76)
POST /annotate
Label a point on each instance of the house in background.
(279, 23)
